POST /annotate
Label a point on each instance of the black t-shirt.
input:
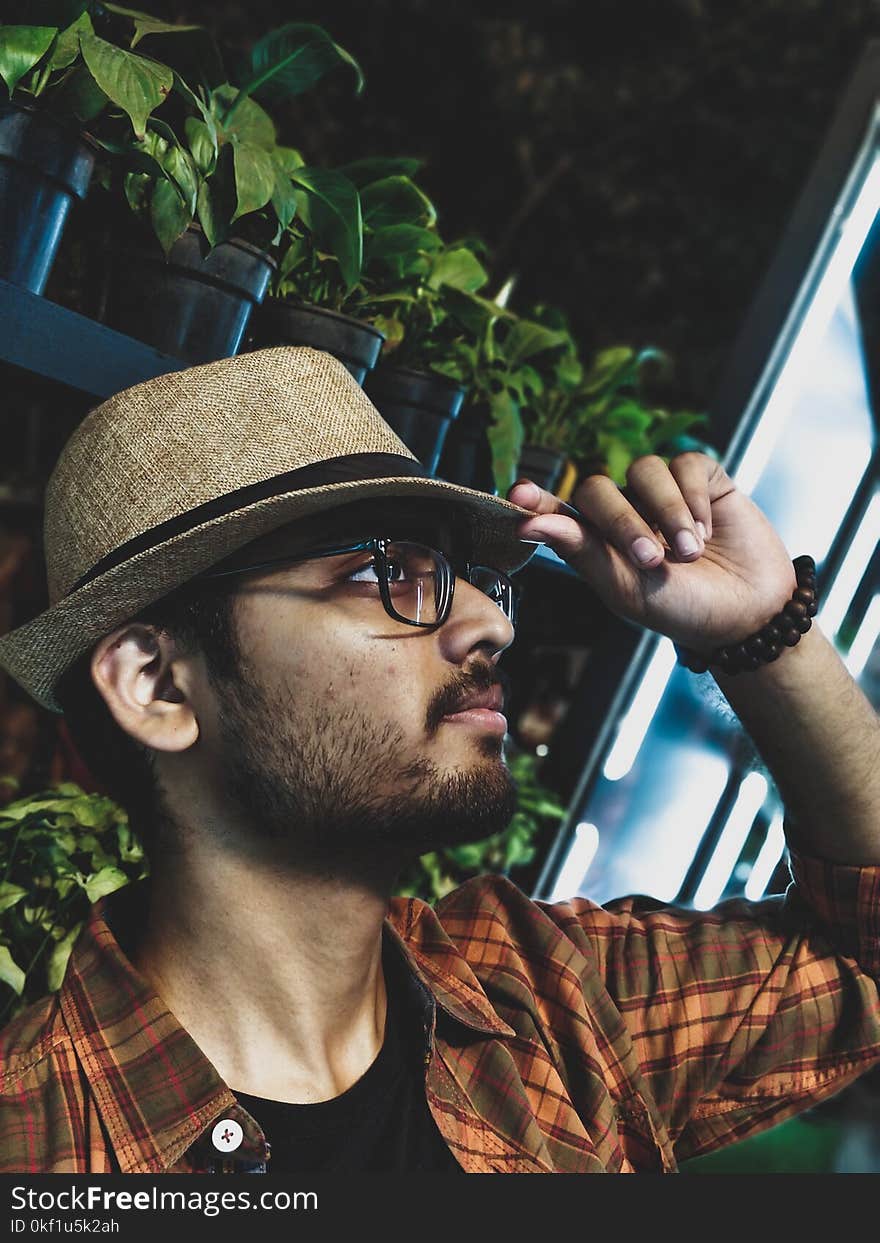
(382, 1123)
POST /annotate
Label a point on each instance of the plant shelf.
(49, 340)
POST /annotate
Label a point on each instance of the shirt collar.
(155, 1089)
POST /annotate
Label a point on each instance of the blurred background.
(681, 176)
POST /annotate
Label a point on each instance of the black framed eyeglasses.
(416, 582)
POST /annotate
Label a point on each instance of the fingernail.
(686, 543)
(530, 493)
(701, 530)
(644, 550)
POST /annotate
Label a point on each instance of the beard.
(335, 794)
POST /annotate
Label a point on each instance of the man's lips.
(493, 699)
(482, 709)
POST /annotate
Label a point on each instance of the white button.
(227, 1135)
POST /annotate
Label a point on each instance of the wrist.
(785, 628)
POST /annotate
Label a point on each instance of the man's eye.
(370, 565)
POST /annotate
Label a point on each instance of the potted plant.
(321, 272)
(382, 302)
(61, 77)
(409, 386)
(495, 359)
(334, 282)
(603, 416)
(213, 191)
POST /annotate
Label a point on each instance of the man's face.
(330, 739)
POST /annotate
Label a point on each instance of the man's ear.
(147, 684)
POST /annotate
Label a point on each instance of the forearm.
(820, 738)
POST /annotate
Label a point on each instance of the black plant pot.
(279, 322)
(543, 466)
(420, 405)
(44, 166)
(196, 305)
(467, 454)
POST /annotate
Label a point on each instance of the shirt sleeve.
(746, 1014)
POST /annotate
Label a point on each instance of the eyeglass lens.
(415, 583)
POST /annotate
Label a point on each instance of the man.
(243, 559)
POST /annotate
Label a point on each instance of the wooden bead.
(783, 630)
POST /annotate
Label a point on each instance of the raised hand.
(737, 576)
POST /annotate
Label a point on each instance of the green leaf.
(250, 123)
(202, 144)
(169, 215)
(10, 894)
(216, 199)
(254, 178)
(459, 268)
(195, 101)
(402, 239)
(288, 159)
(21, 48)
(181, 168)
(331, 209)
(88, 809)
(627, 414)
(145, 25)
(470, 857)
(291, 59)
(506, 436)
(135, 84)
(474, 313)
(526, 339)
(395, 200)
(66, 47)
(392, 329)
(617, 456)
(670, 426)
(135, 187)
(108, 880)
(284, 199)
(10, 972)
(56, 963)
(130, 849)
(611, 368)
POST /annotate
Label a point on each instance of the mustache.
(484, 679)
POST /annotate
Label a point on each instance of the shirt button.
(227, 1135)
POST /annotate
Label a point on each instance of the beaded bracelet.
(783, 630)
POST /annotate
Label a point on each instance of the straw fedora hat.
(166, 478)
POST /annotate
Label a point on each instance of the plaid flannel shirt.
(558, 1037)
